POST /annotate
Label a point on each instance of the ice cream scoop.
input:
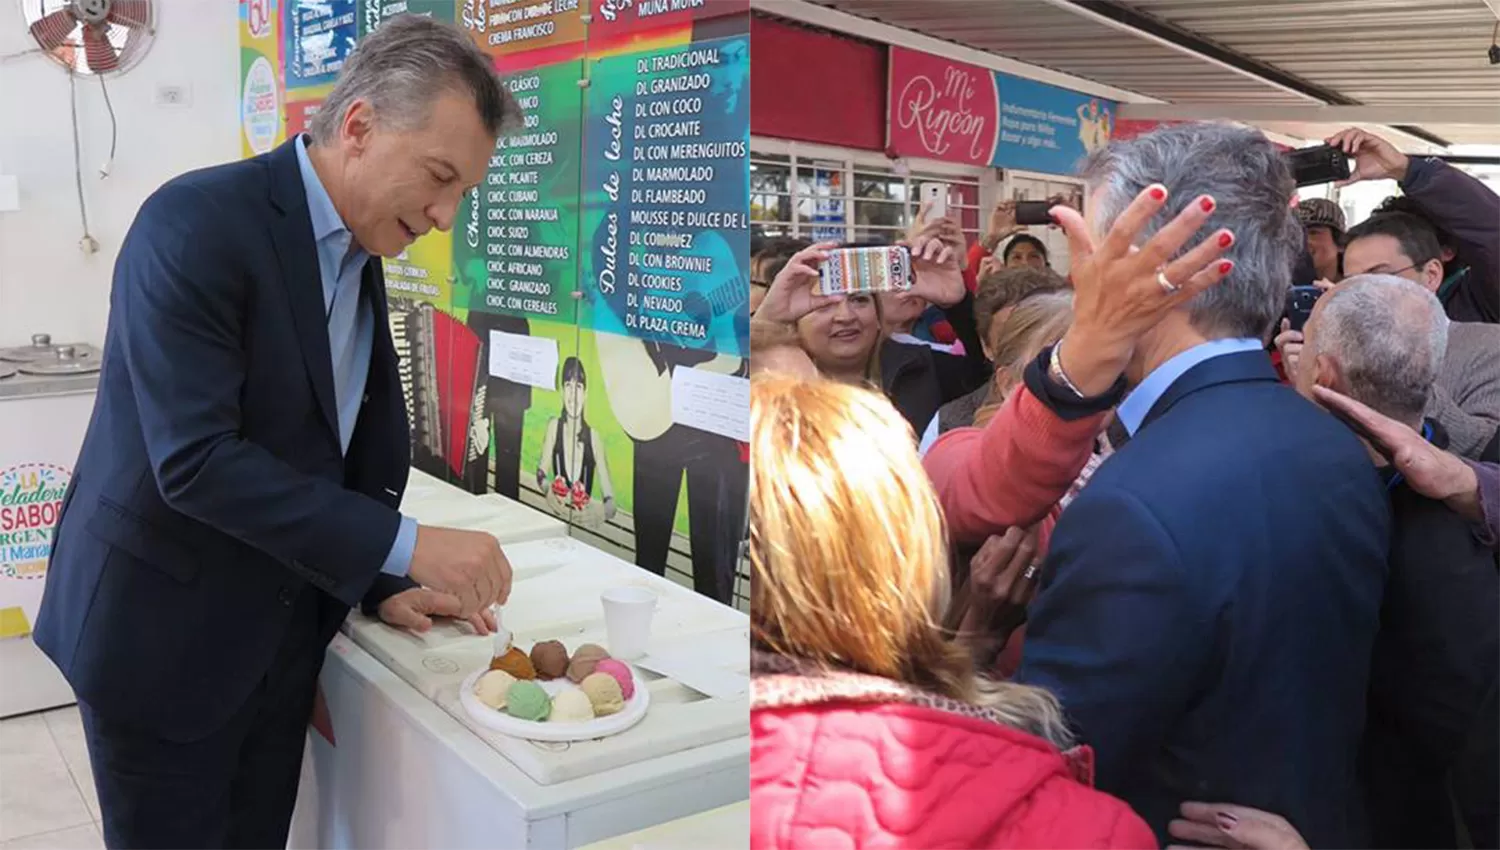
(603, 693)
(584, 660)
(620, 673)
(502, 634)
(514, 662)
(492, 688)
(550, 658)
(571, 706)
(527, 701)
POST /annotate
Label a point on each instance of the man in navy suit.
(1210, 599)
(238, 487)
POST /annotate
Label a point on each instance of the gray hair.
(403, 66)
(1389, 335)
(1252, 184)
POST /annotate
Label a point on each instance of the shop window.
(847, 200)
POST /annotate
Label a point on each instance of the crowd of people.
(1130, 561)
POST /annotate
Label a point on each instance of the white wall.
(47, 284)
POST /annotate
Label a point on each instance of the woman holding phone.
(846, 334)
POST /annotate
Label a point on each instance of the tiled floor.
(47, 799)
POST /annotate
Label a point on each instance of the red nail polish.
(1226, 239)
(1206, 203)
(1226, 266)
(1158, 193)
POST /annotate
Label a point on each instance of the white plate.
(531, 730)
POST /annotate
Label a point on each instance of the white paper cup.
(627, 620)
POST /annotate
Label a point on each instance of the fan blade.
(97, 51)
(52, 31)
(130, 13)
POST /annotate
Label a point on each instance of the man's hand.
(466, 564)
(1289, 343)
(793, 294)
(1374, 157)
(414, 609)
(1428, 469)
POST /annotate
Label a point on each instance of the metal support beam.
(837, 21)
(1131, 22)
(1478, 116)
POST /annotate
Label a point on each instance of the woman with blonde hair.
(868, 722)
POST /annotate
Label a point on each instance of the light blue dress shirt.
(351, 328)
(1133, 410)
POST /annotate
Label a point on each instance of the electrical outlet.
(174, 95)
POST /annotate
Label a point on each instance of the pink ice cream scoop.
(620, 673)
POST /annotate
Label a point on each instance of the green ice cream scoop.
(529, 702)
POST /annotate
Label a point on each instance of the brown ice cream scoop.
(515, 663)
(584, 660)
(550, 658)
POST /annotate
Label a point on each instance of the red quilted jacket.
(898, 775)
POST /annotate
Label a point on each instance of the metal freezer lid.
(65, 360)
(42, 348)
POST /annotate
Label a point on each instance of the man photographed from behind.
(1430, 738)
(238, 487)
(1466, 398)
(1210, 600)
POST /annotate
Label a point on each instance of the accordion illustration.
(441, 374)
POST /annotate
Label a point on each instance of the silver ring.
(1030, 572)
(1161, 278)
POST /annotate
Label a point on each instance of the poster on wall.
(666, 180)
(505, 29)
(320, 35)
(623, 415)
(31, 497)
(372, 13)
(262, 92)
(951, 111)
(617, 20)
(665, 237)
(1049, 129)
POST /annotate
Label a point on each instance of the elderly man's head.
(1377, 338)
(1252, 185)
(1397, 244)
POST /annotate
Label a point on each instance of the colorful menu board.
(578, 340)
(320, 34)
(506, 27)
(666, 171)
(524, 220)
(373, 13)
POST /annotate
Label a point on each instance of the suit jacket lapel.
(1224, 369)
(291, 232)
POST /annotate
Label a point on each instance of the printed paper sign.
(530, 360)
(708, 401)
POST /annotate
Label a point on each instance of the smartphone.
(935, 198)
(850, 271)
(1034, 212)
(1299, 304)
(1322, 164)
